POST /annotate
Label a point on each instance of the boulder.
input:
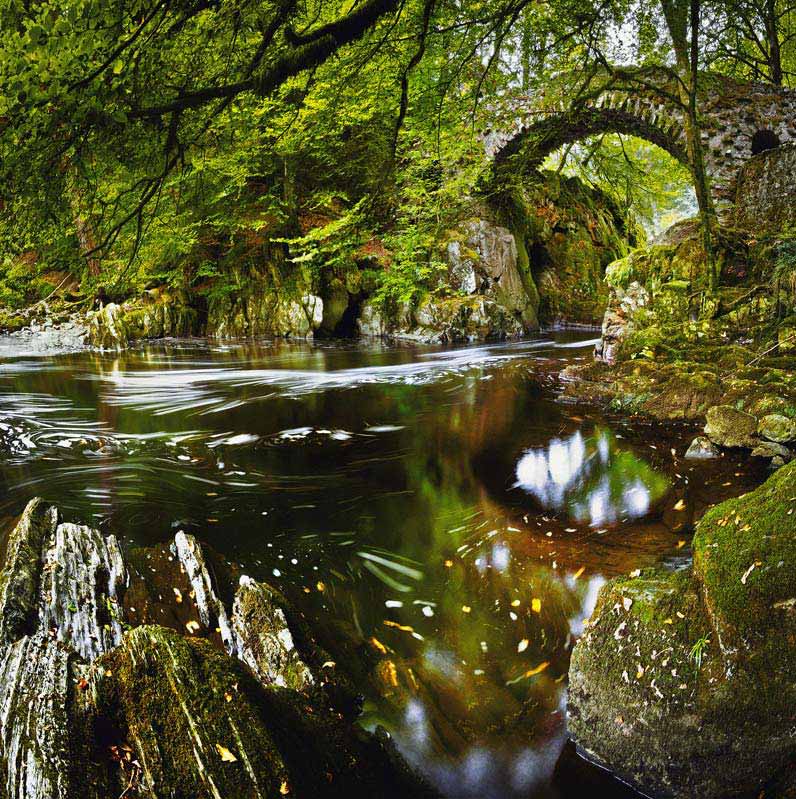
(702, 448)
(682, 683)
(729, 427)
(107, 329)
(777, 428)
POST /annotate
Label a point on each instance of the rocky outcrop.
(265, 313)
(446, 320)
(482, 260)
(682, 682)
(263, 639)
(93, 706)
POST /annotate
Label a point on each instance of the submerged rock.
(729, 427)
(682, 682)
(702, 448)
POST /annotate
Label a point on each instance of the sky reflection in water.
(591, 479)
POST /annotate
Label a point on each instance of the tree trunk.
(682, 19)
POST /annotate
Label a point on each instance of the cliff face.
(530, 260)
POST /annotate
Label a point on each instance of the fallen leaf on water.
(538, 669)
(226, 755)
(522, 645)
(404, 627)
(392, 673)
(536, 605)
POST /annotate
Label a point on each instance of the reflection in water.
(373, 487)
(591, 479)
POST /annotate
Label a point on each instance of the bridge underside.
(533, 144)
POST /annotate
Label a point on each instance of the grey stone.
(702, 448)
(770, 449)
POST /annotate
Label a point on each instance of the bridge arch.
(642, 102)
(531, 145)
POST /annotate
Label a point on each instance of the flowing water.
(441, 517)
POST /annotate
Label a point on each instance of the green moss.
(745, 557)
(201, 726)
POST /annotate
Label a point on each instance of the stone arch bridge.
(738, 120)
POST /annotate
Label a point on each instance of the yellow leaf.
(177, 595)
(540, 668)
(405, 627)
(680, 505)
(379, 645)
(321, 586)
(466, 608)
(515, 603)
(640, 672)
(578, 572)
(536, 605)
(284, 788)
(226, 755)
(448, 564)
(681, 544)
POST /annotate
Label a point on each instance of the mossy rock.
(729, 427)
(682, 683)
(745, 557)
(201, 726)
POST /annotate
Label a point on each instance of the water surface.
(442, 518)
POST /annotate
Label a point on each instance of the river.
(442, 518)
